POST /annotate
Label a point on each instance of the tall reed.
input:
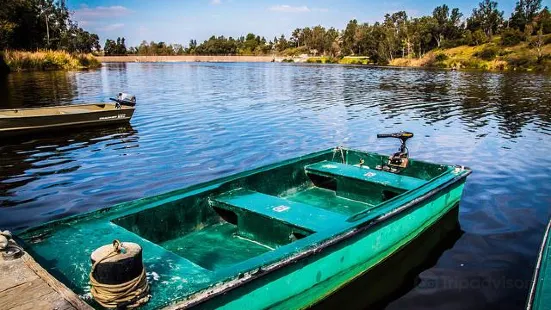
(47, 60)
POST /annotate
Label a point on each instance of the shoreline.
(188, 58)
(428, 62)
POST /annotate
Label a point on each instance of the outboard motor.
(399, 160)
(124, 99)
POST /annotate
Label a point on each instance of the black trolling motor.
(124, 99)
(399, 160)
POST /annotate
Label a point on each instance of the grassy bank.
(45, 60)
(491, 56)
(347, 60)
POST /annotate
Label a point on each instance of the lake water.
(198, 121)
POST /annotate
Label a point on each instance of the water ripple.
(199, 121)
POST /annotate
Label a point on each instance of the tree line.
(398, 35)
(47, 24)
(42, 24)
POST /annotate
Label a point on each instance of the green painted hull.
(281, 236)
(540, 291)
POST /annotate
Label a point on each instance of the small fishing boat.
(539, 296)
(31, 120)
(282, 236)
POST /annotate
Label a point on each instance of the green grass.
(45, 60)
(348, 60)
(354, 60)
(492, 56)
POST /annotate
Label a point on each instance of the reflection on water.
(199, 121)
(400, 273)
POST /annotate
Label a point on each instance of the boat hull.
(53, 120)
(539, 296)
(311, 280)
(285, 235)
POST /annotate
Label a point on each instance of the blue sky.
(175, 21)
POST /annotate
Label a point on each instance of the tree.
(35, 24)
(524, 13)
(440, 15)
(297, 37)
(349, 38)
(282, 44)
(486, 17)
(543, 21)
(77, 40)
(117, 47)
(110, 47)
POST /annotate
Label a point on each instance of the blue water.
(199, 121)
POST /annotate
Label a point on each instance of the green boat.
(282, 236)
(539, 296)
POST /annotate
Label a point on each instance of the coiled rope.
(8, 247)
(131, 294)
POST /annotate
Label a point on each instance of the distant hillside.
(525, 56)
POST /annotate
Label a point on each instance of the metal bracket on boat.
(399, 160)
(339, 149)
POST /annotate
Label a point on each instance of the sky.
(174, 21)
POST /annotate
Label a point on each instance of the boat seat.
(332, 169)
(294, 213)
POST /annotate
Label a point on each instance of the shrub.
(488, 53)
(295, 51)
(451, 43)
(510, 37)
(504, 52)
(473, 64)
(332, 60)
(287, 60)
(441, 57)
(468, 38)
(521, 62)
(479, 37)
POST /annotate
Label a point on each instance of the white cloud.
(111, 27)
(289, 9)
(86, 12)
(215, 2)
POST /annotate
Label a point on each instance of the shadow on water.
(200, 121)
(399, 273)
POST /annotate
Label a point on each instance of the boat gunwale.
(534, 285)
(69, 106)
(125, 206)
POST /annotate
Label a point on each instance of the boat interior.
(60, 110)
(269, 209)
(229, 225)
